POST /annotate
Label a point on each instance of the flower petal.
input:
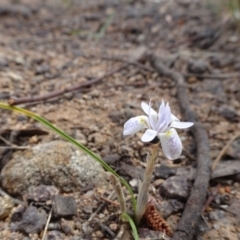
(135, 124)
(171, 144)
(149, 135)
(164, 117)
(181, 125)
(145, 108)
(174, 118)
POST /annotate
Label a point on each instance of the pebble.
(33, 221)
(216, 215)
(57, 162)
(198, 66)
(113, 227)
(18, 213)
(164, 172)
(53, 235)
(3, 62)
(14, 76)
(41, 193)
(78, 225)
(67, 226)
(40, 69)
(6, 205)
(170, 207)
(175, 187)
(64, 206)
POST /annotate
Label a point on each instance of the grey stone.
(41, 193)
(229, 113)
(56, 163)
(40, 69)
(216, 215)
(169, 207)
(64, 206)
(3, 62)
(234, 150)
(54, 235)
(198, 66)
(18, 213)
(175, 187)
(164, 172)
(33, 221)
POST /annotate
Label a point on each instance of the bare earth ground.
(48, 46)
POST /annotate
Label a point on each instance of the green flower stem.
(73, 141)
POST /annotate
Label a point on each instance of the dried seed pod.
(155, 221)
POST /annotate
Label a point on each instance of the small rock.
(15, 9)
(164, 172)
(40, 69)
(41, 193)
(53, 235)
(64, 206)
(189, 172)
(78, 225)
(18, 213)
(229, 113)
(170, 207)
(220, 62)
(3, 62)
(67, 226)
(6, 205)
(113, 227)
(33, 221)
(56, 163)
(226, 168)
(112, 158)
(234, 149)
(175, 187)
(69, 95)
(138, 54)
(216, 215)
(79, 136)
(98, 138)
(14, 76)
(19, 60)
(198, 67)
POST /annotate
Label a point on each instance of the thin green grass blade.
(73, 141)
(126, 217)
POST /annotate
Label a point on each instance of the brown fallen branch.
(213, 76)
(16, 101)
(189, 221)
(118, 59)
(211, 197)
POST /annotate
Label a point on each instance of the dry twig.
(187, 225)
(216, 161)
(211, 197)
(213, 76)
(46, 226)
(16, 101)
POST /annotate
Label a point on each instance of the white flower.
(161, 125)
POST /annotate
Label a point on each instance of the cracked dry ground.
(49, 46)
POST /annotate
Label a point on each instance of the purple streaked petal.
(135, 124)
(171, 144)
(149, 135)
(181, 125)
